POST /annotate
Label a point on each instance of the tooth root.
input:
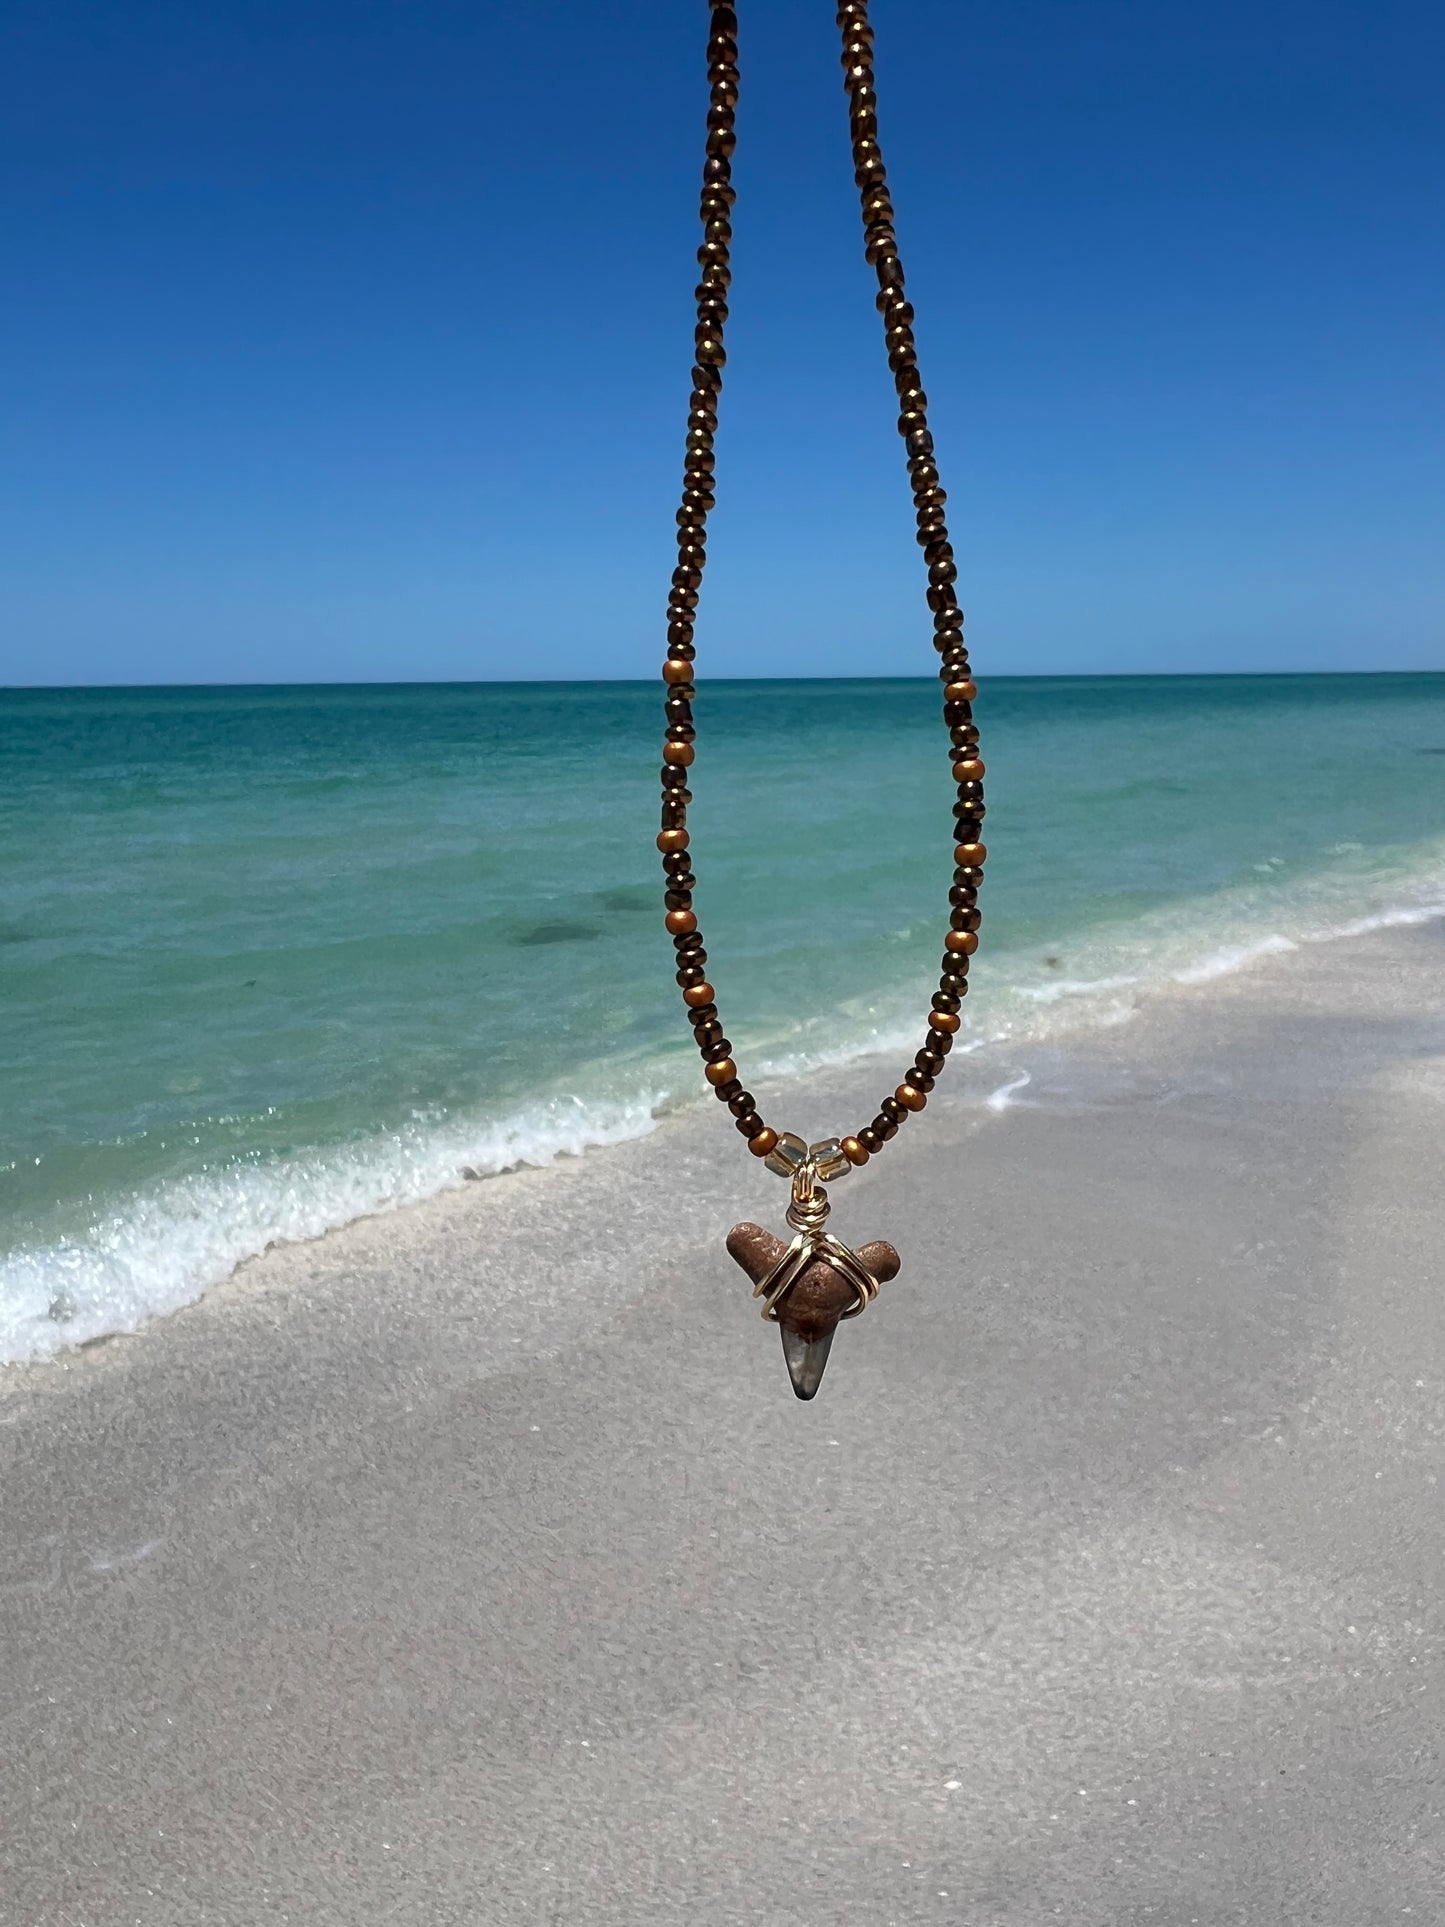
(807, 1357)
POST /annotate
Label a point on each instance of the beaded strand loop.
(881, 250)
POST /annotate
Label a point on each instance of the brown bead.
(740, 1103)
(680, 923)
(944, 1020)
(970, 770)
(910, 1098)
(677, 755)
(869, 1139)
(671, 841)
(763, 1142)
(696, 996)
(748, 1122)
(971, 855)
(961, 692)
(965, 920)
(676, 672)
(853, 1151)
(724, 1071)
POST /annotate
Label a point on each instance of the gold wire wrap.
(807, 1214)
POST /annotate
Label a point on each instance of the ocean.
(275, 958)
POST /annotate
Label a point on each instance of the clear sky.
(350, 340)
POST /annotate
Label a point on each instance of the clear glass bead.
(787, 1155)
(828, 1159)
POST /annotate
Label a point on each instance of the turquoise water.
(273, 958)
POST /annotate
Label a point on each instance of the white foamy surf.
(163, 1249)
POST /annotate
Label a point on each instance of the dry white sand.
(476, 1565)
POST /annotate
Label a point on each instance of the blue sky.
(351, 342)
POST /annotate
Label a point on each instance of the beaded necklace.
(808, 1286)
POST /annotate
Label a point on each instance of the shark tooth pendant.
(809, 1286)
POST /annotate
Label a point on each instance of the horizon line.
(640, 682)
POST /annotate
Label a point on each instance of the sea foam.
(165, 1247)
(1231, 957)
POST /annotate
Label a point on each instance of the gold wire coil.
(808, 1208)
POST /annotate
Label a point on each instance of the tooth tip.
(807, 1359)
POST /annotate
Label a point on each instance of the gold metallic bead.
(670, 841)
(853, 1151)
(679, 755)
(764, 1144)
(787, 1153)
(680, 923)
(910, 1099)
(676, 671)
(943, 1020)
(960, 692)
(971, 855)
(961, 943)
(968, 771)
(828, 1159)
(699, 994)
(722, 1072)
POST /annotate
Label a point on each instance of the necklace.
(810, 1285)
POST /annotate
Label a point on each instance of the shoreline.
(1083, 1008)
(480, 1563)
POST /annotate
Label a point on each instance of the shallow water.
(272, 958)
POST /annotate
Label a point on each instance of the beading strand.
(881, 250)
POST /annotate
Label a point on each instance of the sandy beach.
(476, 1565)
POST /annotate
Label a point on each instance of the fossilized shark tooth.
(809, 1311)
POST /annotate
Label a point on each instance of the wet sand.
(476, 1565)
